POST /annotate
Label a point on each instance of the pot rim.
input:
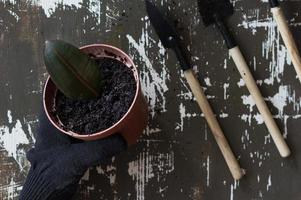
(86, 136)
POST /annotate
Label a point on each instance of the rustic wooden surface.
(177, 157)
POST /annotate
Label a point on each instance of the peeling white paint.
(50, 5)
(143, 170)
(267, 139)
(231, 192)
(272, 49)
(225, 63)
(182, 116)
(15, 15)
(258, 118)
(9, 117)
(241, 83)
(12, 189)
(187, 94)
(280, 99)
(233, 187)
(207, 81)
(269, 182)
(226, 86)
(11, 139)
(245, 139)
(154, 84)
(208, 171)
(249, 101)
(109, 171)
(224, 115)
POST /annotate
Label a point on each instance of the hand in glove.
(58, 162)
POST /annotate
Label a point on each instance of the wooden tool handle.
(216, 130)
(288, 39)
(260, 103)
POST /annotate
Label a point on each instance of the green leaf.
(73, 72)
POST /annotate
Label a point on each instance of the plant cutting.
(93, 92)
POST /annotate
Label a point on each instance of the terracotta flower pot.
(131, 125)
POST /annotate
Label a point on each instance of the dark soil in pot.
(91, 116)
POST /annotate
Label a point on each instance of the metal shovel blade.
(209, 9)
(164, 30)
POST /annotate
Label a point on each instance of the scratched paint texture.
(177, 157)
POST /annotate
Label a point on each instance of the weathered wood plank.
(177, 158)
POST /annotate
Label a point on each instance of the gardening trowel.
(214, 12)
(170, 40)
(286, 35)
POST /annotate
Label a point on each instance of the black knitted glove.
(58, 162)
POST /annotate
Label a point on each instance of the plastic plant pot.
(130, 126)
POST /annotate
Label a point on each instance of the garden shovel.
(170, 39)
(214, 12)
(286, 35)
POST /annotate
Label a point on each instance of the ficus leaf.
(73, 72)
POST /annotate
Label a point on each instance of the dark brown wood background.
(177, 157)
